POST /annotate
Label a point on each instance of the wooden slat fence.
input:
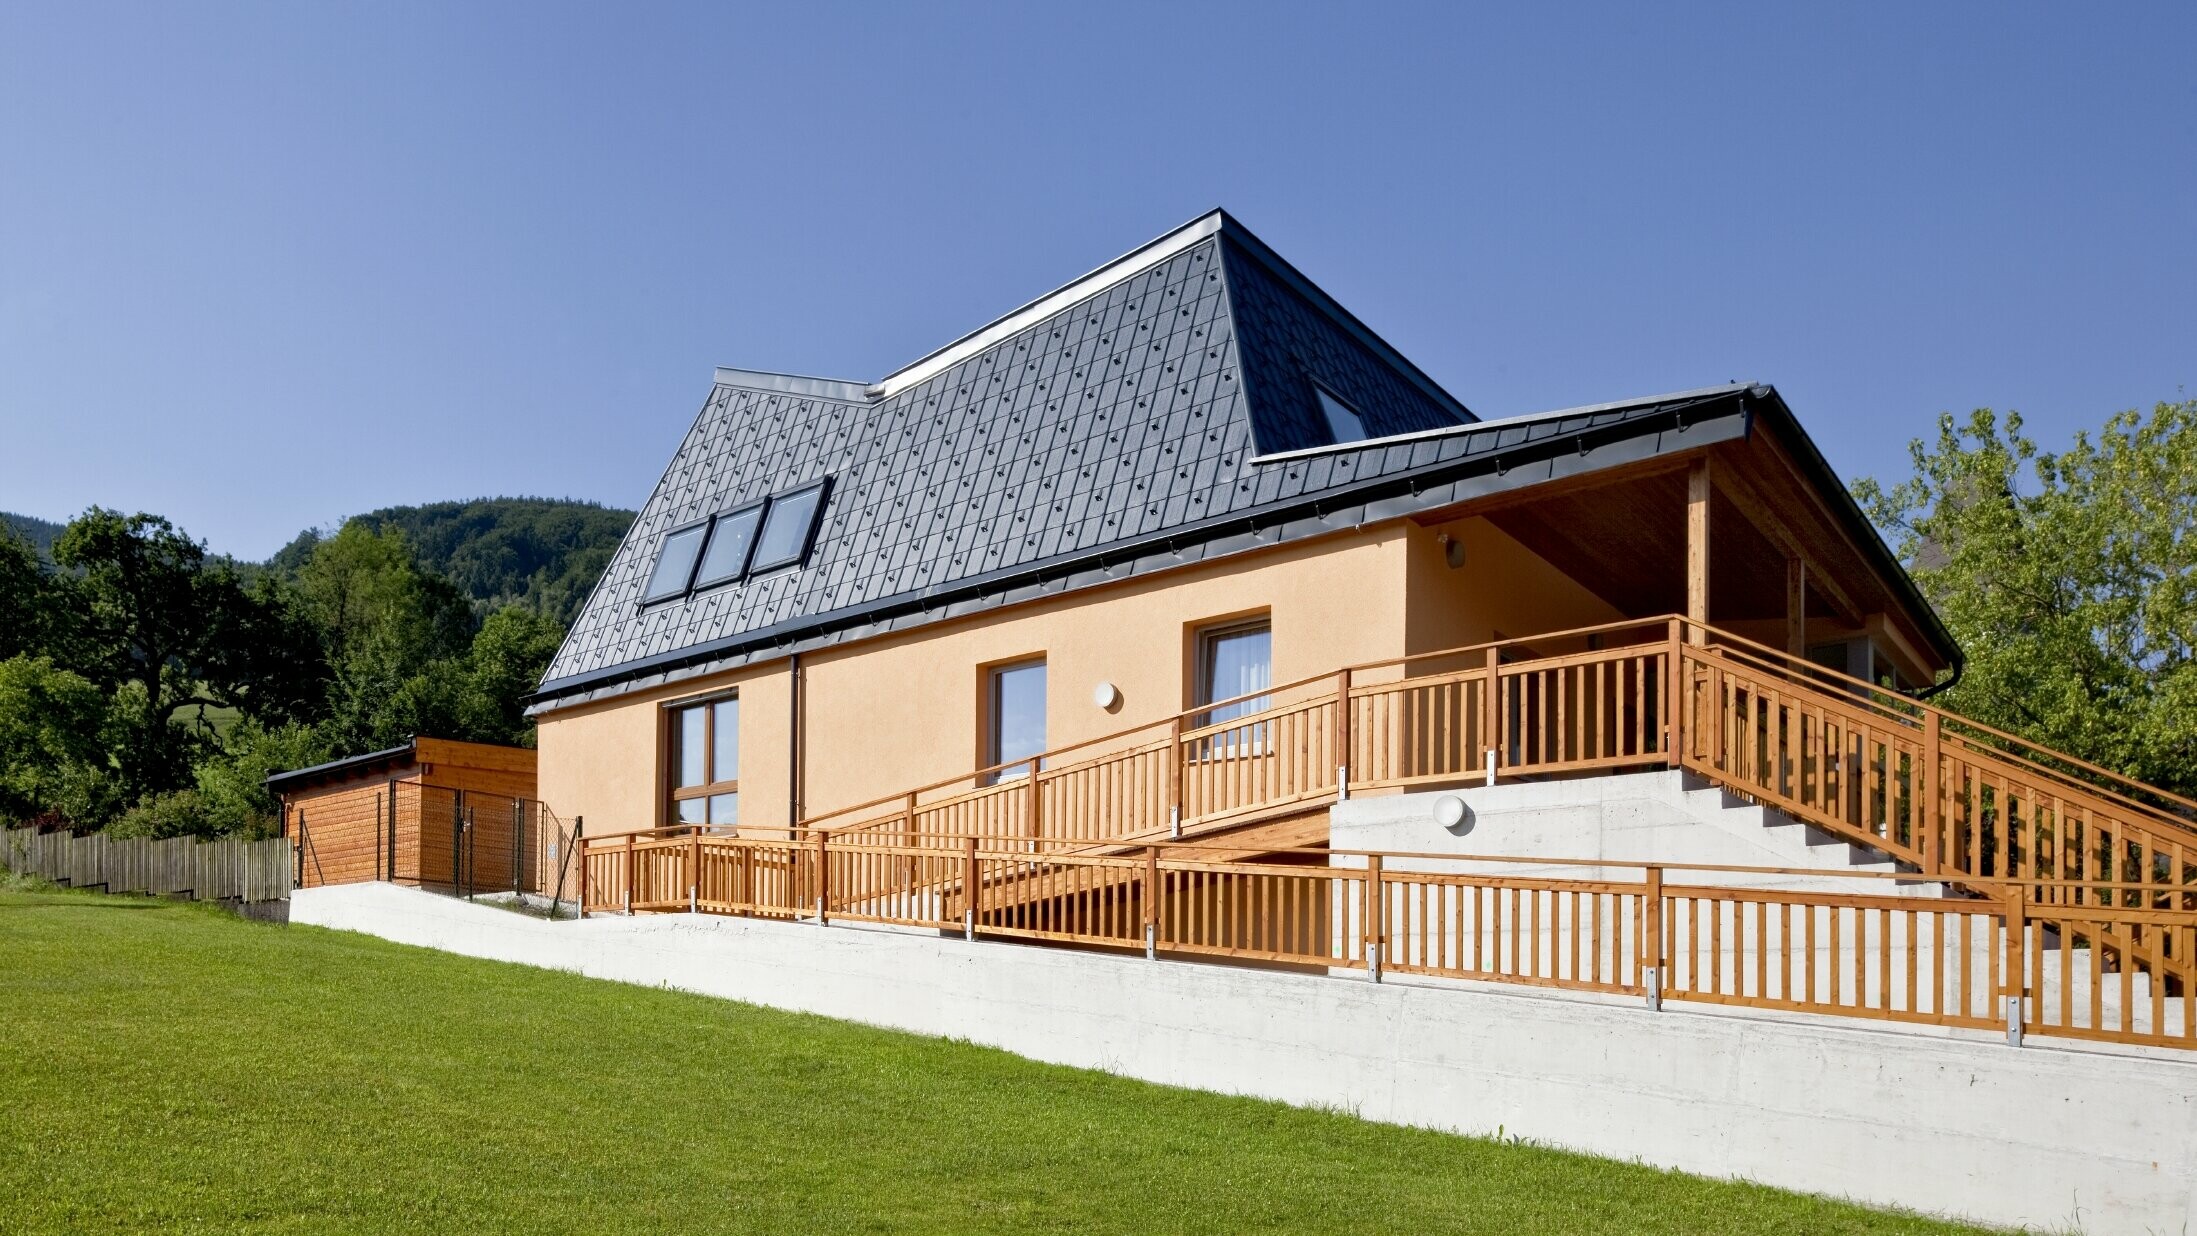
(227, 870)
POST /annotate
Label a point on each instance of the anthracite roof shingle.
(1134, 423)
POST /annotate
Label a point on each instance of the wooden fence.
(177, 866)
(2037, 957)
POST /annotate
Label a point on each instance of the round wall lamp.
(1453, 550)
(1106, 696)
(1452, 814)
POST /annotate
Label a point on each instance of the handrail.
(805, 837)
(1923, 707)
(1530, 736)
(1050, 754)
(2002, 960)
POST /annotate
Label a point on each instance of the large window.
(1234, 660)
(1016, 702)
(705, 763)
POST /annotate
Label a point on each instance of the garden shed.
(436, 813)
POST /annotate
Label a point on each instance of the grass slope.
(169, 1066)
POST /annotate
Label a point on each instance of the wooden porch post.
(1698, 486)
(1796, 606)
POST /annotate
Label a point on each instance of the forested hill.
(39, 532)
(542, 553)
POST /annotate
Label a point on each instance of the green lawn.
(169, 1065)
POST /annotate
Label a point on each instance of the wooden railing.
(1950, 798)
(2105, 868)
(1392, 724)
(1953, 961)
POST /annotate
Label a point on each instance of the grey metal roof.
(1158, 411)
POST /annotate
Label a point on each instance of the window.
(675, 563)
(730, 539)
(705, 763)
(1234, 660)
(1343, 420)
(788, 528)
(1017, 722)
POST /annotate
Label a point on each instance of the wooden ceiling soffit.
(1733, 482)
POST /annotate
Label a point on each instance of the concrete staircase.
(1665, 817)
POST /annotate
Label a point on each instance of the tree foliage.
(540, 554)
(150, 688)
(2069, 578)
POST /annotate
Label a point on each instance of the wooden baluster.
(1491, 716)
(2011, 980)
(1342, 734)
(1174, 775)
(1150, 896)
(972, 888)
(1376, 918)
(629, 873)
(1674, 710)
(1035, 810)
(1929, 819)
(823, 876)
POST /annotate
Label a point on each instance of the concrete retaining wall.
(2046, 1136)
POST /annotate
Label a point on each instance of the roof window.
(789, 528)
(731, 539)
(1343, 420)
(675, 563)
(775, 532)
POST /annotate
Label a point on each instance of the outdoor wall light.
(1451, 813)
(1106, 696)
(1453, 550)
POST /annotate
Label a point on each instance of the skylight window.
(730, 541)
(675, 563)
(1343, 420)
(789, 528)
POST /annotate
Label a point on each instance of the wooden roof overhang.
(1621, 533)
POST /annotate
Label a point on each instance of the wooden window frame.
(1253, 739)
(988, 734)
(1202, 635)
(668, 762)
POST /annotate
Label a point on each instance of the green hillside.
(39, 532)
(542, 553)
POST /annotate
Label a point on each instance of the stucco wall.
(2048, 1136)
(1501, 587)
(893, 712)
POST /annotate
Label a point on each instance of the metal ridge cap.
(794, 384)
(1153, 251)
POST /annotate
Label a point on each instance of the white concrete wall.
(2044, 1136)
(1661, 817)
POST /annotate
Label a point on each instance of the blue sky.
(262, 267)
